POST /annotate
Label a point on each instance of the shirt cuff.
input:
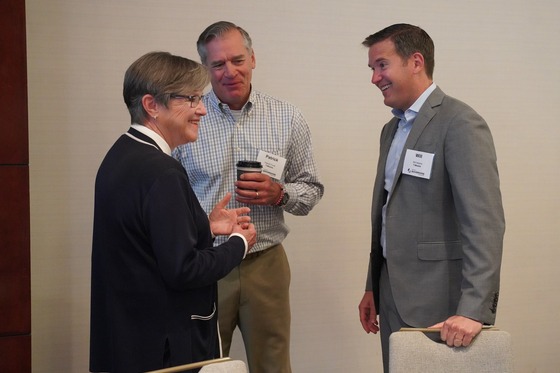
(209, 224)
(292, 192)
(244, 242)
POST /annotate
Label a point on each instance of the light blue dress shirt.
(397, 146)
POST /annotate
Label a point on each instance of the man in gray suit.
(437, 216)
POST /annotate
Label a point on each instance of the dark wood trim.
(15, 294)
(15, 276)
(15, 354)
(13, 90)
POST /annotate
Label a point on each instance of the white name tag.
(418, 164)
(273, 165)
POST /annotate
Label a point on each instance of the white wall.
(498, 56)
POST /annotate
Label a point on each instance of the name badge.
(273, 165)
(418, 164)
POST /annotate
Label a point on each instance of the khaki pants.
(255, 297)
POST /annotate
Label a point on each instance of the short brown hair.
(408, 39)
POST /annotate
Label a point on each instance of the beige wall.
(499, 56)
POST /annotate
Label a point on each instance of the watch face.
(285, 199)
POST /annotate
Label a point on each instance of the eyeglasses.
(194, 100)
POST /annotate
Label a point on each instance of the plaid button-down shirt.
(264, 123)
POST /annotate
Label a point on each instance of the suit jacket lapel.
(425, 115)
(385, 145)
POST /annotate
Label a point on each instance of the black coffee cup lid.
(250, 164)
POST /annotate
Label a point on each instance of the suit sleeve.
(180, 236)
(472, 166)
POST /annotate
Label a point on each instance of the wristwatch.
(284, 200)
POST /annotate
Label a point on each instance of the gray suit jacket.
(444, 235)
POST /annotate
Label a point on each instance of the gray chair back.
(414, 352)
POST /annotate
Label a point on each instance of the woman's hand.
(223, 220)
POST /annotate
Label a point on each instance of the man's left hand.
(257, 189)
(458, 330)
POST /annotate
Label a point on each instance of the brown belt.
(259, 253)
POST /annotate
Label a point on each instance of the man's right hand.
(368, 313)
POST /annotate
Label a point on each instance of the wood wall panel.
(15, 354)
(13, 87)
(15, 283)
(15, 294)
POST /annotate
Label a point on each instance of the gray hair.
(217, 30)
(160, 74)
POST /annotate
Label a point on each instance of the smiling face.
(231, 66)
(401, 81)
(178, 122)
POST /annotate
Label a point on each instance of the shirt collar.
(154, 136)
(412, 111)
(215, 101)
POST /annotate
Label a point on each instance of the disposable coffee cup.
(248, 166)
